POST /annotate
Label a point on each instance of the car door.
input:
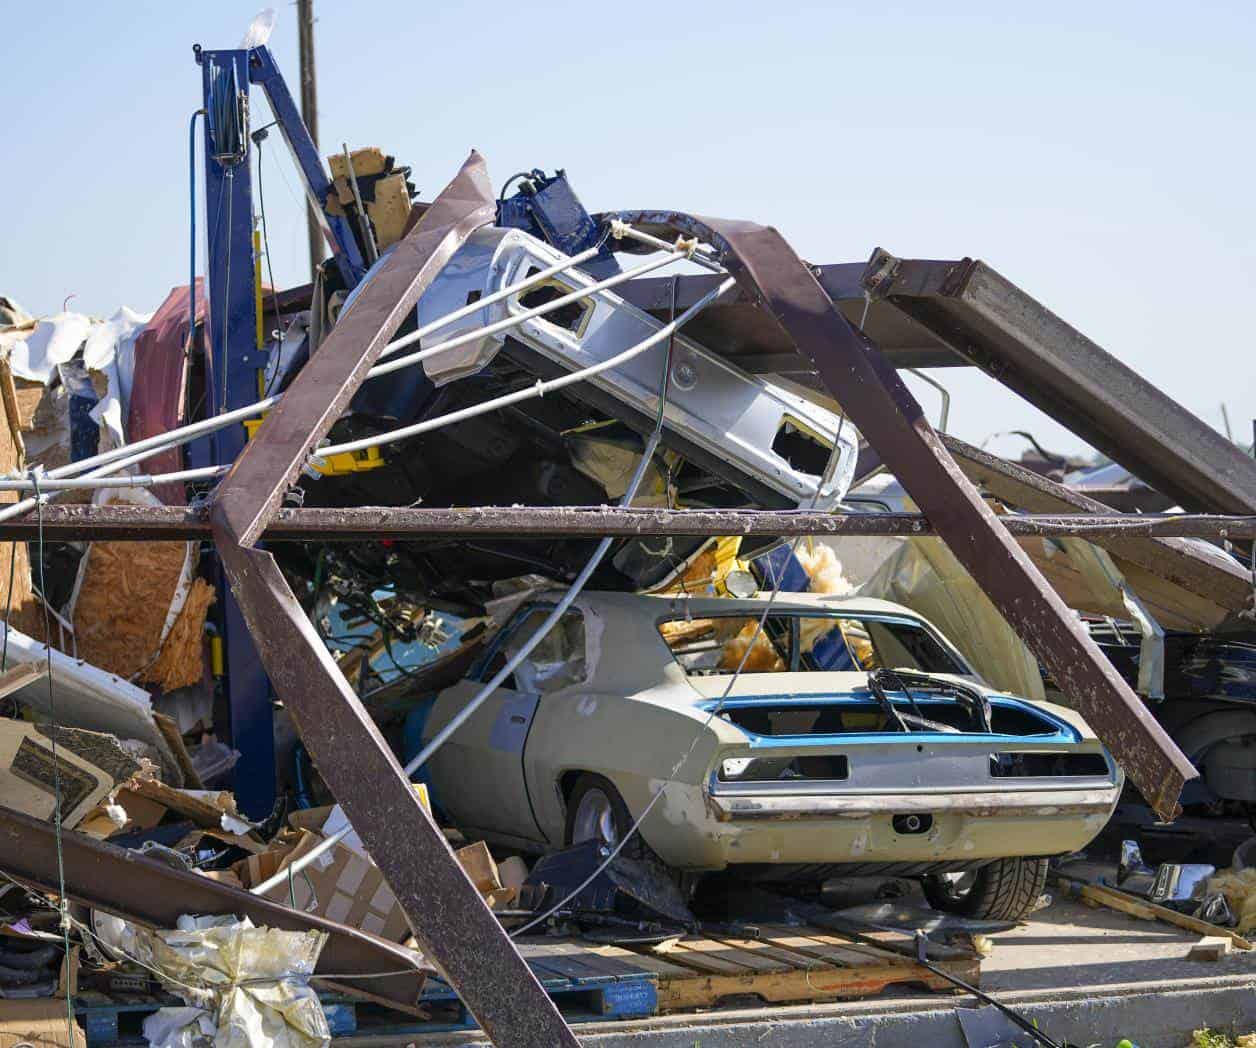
(478, 774)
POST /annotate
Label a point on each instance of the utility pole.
(309, 113)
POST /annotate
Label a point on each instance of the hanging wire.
(192, 230)
(58, 829)
(826, 477)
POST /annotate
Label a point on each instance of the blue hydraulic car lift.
(234, 356)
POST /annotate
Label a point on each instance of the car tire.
(1004, 890)
(599, 792)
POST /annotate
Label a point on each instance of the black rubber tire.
(623, 817)
(1005, 890)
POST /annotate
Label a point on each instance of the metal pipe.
(127, 455)
(119, 458)
(538, 390)
(516, 319)
(136, 481)
(488, 300)
(620, 229)
(357, 199)
(945, 393)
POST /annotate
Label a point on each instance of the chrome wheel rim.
(594, 820)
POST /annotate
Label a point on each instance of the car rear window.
(801, 643)
(558, 661)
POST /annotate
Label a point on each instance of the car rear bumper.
(702, 829)
(740, 806)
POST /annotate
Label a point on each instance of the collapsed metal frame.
(451, 923)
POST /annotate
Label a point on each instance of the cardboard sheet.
(38, 1023)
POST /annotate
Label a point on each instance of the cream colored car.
(856, 740)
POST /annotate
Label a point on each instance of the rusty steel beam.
(1201, 569)
(154, 894)
(859, 377)
(985, 317)
(1151, 537)
(451, 922)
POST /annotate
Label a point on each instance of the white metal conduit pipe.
(520, 318)
(537, 390)
(620, 230)
(438, 740)
(143, 480)
(120, 458)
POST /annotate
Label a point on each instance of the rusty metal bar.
(451, 922)
(862, 380)
(1154, 539)
(154, 894)
(990, 321)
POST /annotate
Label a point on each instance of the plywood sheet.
(180, 662)
(123, 600)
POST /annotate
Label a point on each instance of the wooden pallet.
(591, 982)
(781, 965)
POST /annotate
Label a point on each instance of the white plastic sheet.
(243, 986)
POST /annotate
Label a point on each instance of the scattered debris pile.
(141, 735)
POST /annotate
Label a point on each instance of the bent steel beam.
(993, 323)
(862, 380)
(156, 895)
(451, 922)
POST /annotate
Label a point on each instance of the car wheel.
(596, 812)
(1004, 890)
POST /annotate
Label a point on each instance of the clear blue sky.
(1098, 154)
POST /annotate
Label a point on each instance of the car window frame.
(481, 672)
(753, 614)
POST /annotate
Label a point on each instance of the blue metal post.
(231, 381)
(344, 247)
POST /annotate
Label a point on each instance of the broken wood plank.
(1136, 907)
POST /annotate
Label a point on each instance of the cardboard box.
(262, 866)
(480, 867)
(143, 813)
(38, 1023)
(342, 886)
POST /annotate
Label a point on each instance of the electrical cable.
(107, 462)
(58, 829)
(270, 271)
(192, 230)
(506, 185)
